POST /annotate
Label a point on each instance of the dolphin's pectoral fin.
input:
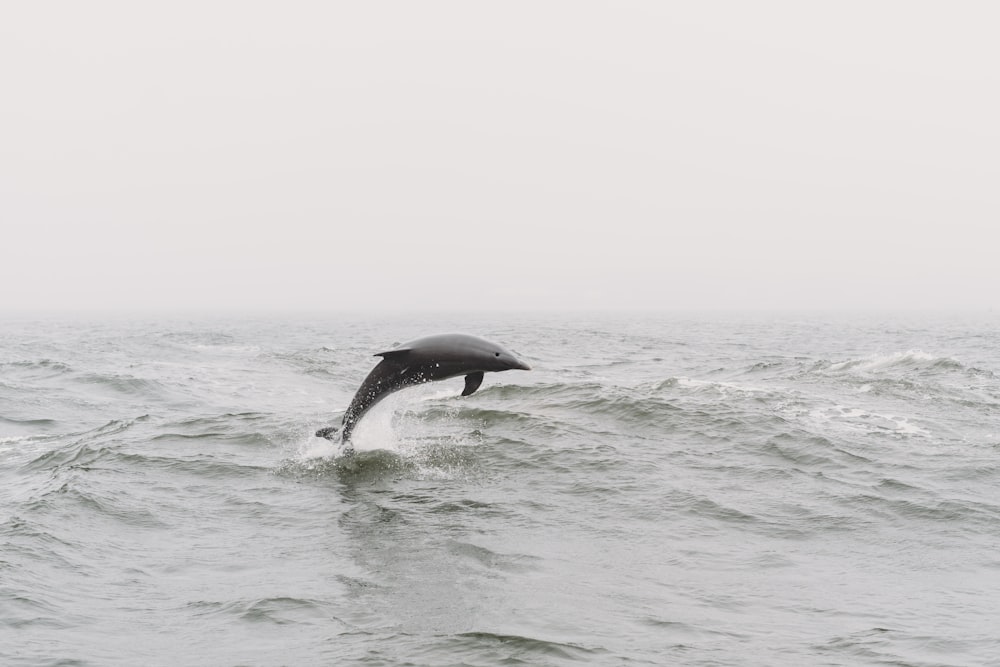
(472, 382)
(327, 432)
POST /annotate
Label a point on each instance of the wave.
(897, 646)
(808, 451)
(87, 457)
(197, 338)
(475, 413)
(111, 448)
(521, 648)
(492, 560)
(323, 362)
(17, 526)
(83, 442)
(688, 386)
(123, 383)
(68, 492)
(245, 428)
(865, 421)
(24, 610)
(586, 402)
(909, 361)
(685, 633)
(910, 376)
(905, 503)
(542, 390)
(276, 610)
(38, 368)
(28, 422)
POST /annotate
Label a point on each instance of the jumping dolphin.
(423, 360)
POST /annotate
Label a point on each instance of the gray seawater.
(661, 489)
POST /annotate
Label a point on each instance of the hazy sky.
(473, 155)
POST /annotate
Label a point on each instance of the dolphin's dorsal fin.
(392, 354)
(472, 382)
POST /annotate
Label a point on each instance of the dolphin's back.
(459, 348)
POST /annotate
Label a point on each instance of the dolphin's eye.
(496, 354)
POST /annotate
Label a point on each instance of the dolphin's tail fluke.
(330, 433)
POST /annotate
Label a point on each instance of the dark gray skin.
(425, 360)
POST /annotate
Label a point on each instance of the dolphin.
(424, 360)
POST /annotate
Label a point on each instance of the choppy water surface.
(699, 490)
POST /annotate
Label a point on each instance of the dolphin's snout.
(521, 366)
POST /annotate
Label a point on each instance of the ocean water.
(685, 489)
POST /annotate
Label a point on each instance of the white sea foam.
(9, 444)
(879, 362)
(866, 421)
(437, 394)
(318, 448)
(376, 430)
(724, 388)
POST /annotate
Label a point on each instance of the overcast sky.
(506, 155)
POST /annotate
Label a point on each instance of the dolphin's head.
(504, 360)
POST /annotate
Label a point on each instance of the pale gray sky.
(472, 155)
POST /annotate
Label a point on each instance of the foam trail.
(380, 427)
(318, 448)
